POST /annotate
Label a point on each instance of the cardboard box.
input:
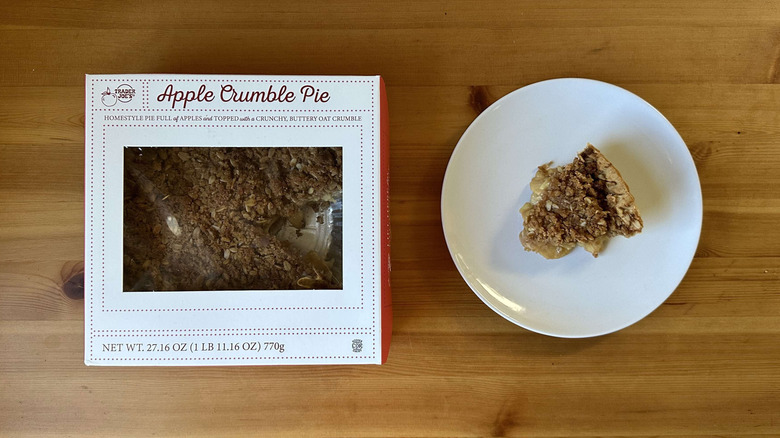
(236, 220)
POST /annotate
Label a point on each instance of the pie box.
(236, 220)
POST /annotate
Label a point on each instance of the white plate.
(487, 182)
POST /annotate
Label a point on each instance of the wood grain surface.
(706, 363)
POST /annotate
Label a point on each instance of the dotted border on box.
(103, 252)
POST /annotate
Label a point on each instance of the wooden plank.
(381, 15)
(619, 54)
(473, 385)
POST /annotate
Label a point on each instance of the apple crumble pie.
(583, 203)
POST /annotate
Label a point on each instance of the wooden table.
(707, 362)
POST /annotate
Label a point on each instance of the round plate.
(487, 181)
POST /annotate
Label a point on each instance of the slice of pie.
(583, 203)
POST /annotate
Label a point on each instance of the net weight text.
(193, 347)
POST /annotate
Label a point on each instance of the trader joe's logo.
(123, 93)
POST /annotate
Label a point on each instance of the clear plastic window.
(232, 218)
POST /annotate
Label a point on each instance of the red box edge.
(384, 160)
